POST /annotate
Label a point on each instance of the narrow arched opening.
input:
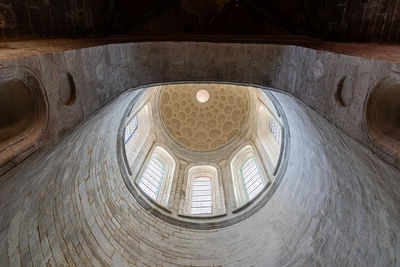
(22, 114)
(383, 114)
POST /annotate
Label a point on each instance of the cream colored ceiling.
(204, 126)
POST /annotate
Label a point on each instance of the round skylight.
(202, 96)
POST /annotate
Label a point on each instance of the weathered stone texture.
(337, 205)
(103, 72)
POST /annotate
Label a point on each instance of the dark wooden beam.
(270, 16)
(154, 11)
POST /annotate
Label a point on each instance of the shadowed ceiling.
(340, 20)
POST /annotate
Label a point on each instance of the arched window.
(248, 175)
(204, 193)
(275, 129)
(201, 196)
(152, 177)
(156, 177)
(130, 129)
(268, 139)
(138, 139)
(252, 178)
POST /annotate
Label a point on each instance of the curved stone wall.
(230, 211)
(336, 206)
(314, 77)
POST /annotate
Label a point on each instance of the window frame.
(276, 130)
(251, 158)
(268, 147)
(170, 163)
(212, 172)
(158, 179)
(142, 141)
(209, 193)
(134, 119)
(236, 162)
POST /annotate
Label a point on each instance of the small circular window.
(202, 96)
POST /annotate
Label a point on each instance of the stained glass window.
(130, 129)
(152, 177)
(201, 196)
(275, 129)
(252, 178)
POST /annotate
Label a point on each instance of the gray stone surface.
(338, 205)
(102, 73)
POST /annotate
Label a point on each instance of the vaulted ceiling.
(205, 125)
(340, 20)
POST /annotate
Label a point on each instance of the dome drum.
(203, 179)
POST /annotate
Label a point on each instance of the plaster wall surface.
(337, 205)
(101, 73)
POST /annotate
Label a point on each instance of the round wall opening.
(67, 91)
(344, 92)
(23, 112)
(17, 109)
(202, 96)
(383, 113)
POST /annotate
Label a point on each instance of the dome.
(203, 155)
(204, 117)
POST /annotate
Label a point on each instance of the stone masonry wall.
(337, 205)
(102, 73)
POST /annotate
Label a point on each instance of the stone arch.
(212, 173)
(236, 163)
(268, 146)
(23, 113)
(169, 165)
(141, 139)
(383, 113)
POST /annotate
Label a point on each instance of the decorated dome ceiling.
(201, 121)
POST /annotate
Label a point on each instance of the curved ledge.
(249, 203)
(283, 132)
(220, 221)
(158, 205)
(202, 217)
(152, 201)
